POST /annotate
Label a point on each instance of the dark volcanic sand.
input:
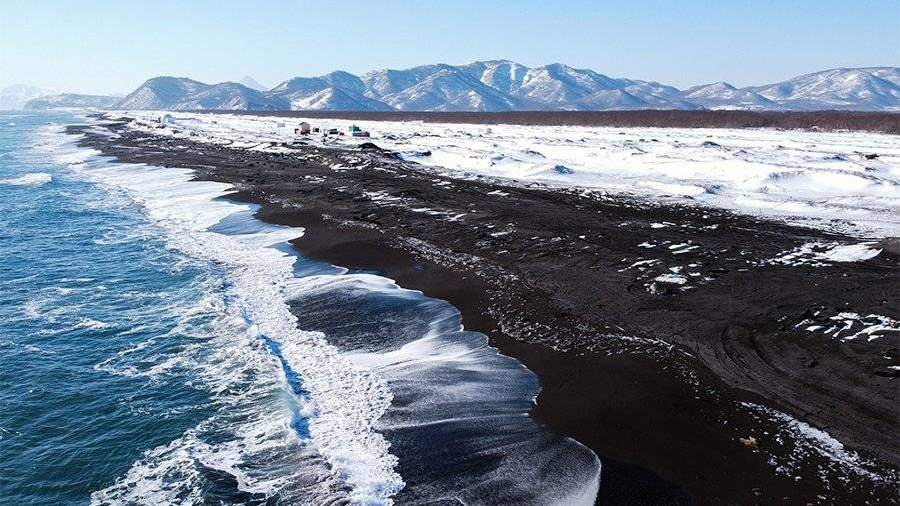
(664, 418)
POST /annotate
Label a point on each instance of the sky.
(113, 46)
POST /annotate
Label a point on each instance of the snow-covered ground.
(846, 181)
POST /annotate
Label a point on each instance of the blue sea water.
(88, 308)
(159, 345)
(108, 336)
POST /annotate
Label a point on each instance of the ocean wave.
(345, 400)
(32, 179)
(91, 324)
(340, 403)
(457, 402)
(246, 452)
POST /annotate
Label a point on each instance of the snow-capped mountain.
(14, 97)
(560, 86)
(72, 100)
(251, 83)
(722, 95)
(440, 88)
(179, 93)
(873, 88)
(501, 85)
(337, 91)
(502, 75)
(337, 99)
(161, 93)
(231, 96)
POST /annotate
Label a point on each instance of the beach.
(682, 344)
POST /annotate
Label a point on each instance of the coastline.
(623, 412)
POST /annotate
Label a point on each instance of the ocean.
(158, 344)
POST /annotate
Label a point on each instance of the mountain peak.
(180, 93)
(251, 83)
(494, 62)
(722, 85)
(503, 85)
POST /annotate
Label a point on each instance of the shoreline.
(689, 453)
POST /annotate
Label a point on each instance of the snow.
(849, 326)
(862, 88)
(816, 179)
(851, 253)
(674, 279)
(818, 254)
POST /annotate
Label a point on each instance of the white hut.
(167, 119)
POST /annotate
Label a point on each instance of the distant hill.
(179, 93)
(72, 100)
(874, 88)
(501, 85)
(722, 95)
(253, 84)
(14, 97)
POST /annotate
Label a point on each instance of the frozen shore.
(645, 320)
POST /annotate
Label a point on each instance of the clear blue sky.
(112, 46)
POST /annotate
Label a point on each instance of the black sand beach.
(656, 379)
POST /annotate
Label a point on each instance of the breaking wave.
(33, 179)
(329, 386)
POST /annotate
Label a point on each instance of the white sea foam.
(451, 389)
(250, 438)
(32, 179)
(91, 324)
(345, 399)
(809, 442)
(348, 394)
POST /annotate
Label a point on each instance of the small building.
(354, 128)
(332, 131)
(305, 127)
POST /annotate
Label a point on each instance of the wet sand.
(652, 377)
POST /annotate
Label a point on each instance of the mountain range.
(501, 85)
(72, 100)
